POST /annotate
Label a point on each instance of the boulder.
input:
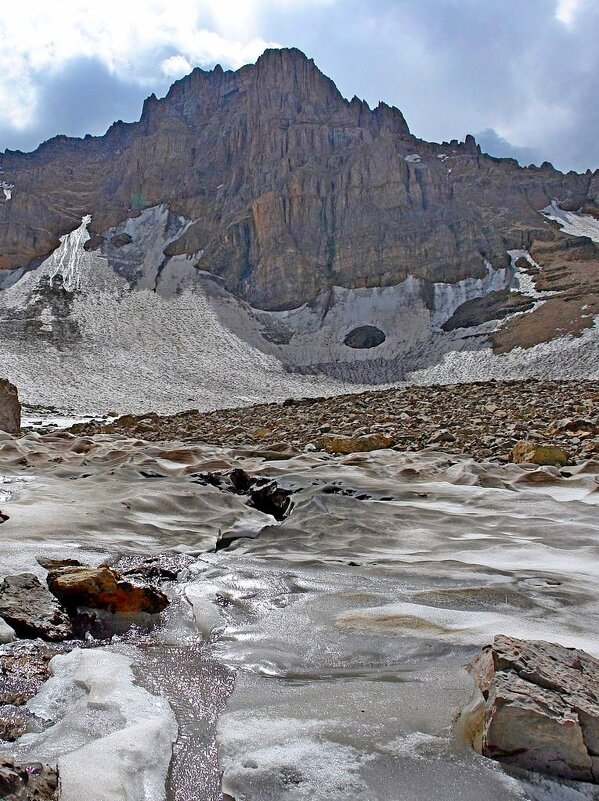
(337, 443)
(101, 588)
(10, 408)
(541, 707)
(442, 435)
(32, 611)
(528, 453)
(25, 782)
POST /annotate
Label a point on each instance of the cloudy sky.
(521, 75)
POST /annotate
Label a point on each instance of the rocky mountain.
(321, 233)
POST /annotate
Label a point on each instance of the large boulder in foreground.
(101, 588)
(541, 707)
(10, 408)
(32, 611)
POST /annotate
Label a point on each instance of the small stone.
(443, 435)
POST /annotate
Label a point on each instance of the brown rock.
(27, 782)
(443, 435)
(10, 408)
(340, 444)
(542, 707)
(279, 171)
(529, 453)
(101, 588)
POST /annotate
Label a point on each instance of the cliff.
(287, 188)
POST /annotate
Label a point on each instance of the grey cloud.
(495, 145)
(84, 97)
(452, 66)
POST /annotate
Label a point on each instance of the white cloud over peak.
(526, 72)
(42, 36)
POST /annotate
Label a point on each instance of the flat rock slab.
(542, 707)
(31, 610)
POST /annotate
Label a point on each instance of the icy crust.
(572, 223)
(565, 357)
(112, 740)
(349, 624)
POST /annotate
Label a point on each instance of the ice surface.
(111, 739)
(349, 624)
(66, 260)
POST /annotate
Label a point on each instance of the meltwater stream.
(321, 658)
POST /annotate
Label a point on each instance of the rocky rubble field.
(485, 420)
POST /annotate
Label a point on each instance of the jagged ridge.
(291, 188)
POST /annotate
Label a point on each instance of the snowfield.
(128, 329)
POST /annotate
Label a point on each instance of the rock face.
(10, 408)
(542, 707)
(101, 588)
(285, 188)
(32, 611)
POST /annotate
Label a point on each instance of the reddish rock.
(101, 588)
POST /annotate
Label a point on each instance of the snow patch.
(7, 189)
(572, 223)
(523, 282)
(414, 158)
(66, 260)
(112, 740)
